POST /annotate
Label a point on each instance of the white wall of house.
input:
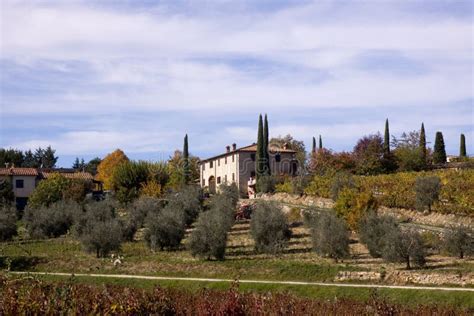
(29, 185)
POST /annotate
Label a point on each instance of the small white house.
(237, 165)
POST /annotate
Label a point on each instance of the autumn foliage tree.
(107, 166)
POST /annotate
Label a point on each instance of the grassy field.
(298, 263)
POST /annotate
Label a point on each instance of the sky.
(87, 77)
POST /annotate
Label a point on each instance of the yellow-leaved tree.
(107, 166)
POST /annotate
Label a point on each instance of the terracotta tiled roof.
(69, 175)
(250, 148)
(19, 172)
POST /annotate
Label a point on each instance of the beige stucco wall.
(242, 167)
(222, 167)
(29, 184)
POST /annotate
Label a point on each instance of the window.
(252, 156)
(225, 160)
(233, 158)
(203, 182)
(277, 157)
(218, 162)
(218, 180)
(233, 177)
(19, 184)
(211, 164)
(203, 166)
(225, 178)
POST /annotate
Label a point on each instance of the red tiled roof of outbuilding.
(33, 172)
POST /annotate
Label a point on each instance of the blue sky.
(87, 77)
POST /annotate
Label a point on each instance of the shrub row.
(35, 297)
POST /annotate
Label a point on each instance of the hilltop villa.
(237, 165)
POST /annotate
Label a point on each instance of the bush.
(269, 228)
(340, 182)
(459, 241)
(353, 205)
(127, 180)
(6, 193)
(372, 230)
(98, 229)
(209, 237)
(142, 207)
(165, 229)
(188, 200)
(266, 184)
(7, 223)
(231, 191)
(51, 221)
(48, 191)
(427, 192)
(404, 246)
(329, 234)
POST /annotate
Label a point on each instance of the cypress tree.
(439, 151)
(260, 157)
(386, 139)
(314, 145)
(267, 169)
(186, 169)
(462, 149)
(423, 143)
(320, 142)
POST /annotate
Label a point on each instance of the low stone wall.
(304, 200)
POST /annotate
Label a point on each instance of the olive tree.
(427, 191)
(269, 228)
(98, 228)
(372, 230)
(7, 223)
(459, 241)
(329, 234)
(51, 221)
(209, 237)
(165, 229)
(404, 246)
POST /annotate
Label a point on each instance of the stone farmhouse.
(237, 165)
(25, 180)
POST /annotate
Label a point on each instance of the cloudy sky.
(87, 77)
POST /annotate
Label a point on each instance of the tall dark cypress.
(260, 157)
(462, 147)
(386, 139)
(320, 142)
(265, 146)
(186, 167)
(314, 145)
(423, 143)
(439, 151)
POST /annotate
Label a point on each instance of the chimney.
(234, 147)
(227, 149)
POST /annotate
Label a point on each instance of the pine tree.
(76, 164)
(314, 145)
(439, 151)
(320, 142)
(265, 146)
(186, 169)
(29, 160)
(462, 149)
(423, 143)
(386, 140)
(260, 157)
(49, 159)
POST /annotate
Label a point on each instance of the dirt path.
(158, 278)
